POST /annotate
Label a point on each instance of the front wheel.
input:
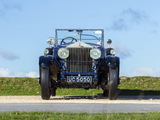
(53, 91)
(105, 93)
(113, 83)
(45, 84)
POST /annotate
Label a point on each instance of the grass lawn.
(78, 116)
(128, 86)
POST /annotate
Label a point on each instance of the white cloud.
(122, 51)
(145, 71)
(6, 6)
(127, 18)
(135, 16)
(32, 74)
(4, 72)
(8, 55)
(119, 24)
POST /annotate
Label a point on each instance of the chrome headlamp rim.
(112, 52)
(95, 53)
(51, 41)
(63, 53)
(46, 51)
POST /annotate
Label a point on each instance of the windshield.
(65, 36)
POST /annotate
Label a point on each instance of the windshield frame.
(102, 34)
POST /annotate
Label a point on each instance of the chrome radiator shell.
(79, 60)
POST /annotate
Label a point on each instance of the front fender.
(44, 61)
(112, 61)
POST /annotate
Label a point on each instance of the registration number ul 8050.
(79, 79)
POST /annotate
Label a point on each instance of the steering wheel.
(73, 39)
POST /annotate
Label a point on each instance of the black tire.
(105, 93)
(53, 91)
(113, 83)
(45, 84)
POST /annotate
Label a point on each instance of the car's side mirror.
(51, 41)
(109, 41)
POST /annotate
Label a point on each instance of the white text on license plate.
(79, 79)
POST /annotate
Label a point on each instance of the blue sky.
(133, 26)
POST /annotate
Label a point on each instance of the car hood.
(81, 44)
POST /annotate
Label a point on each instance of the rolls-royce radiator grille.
(79, 60)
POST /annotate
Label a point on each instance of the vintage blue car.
(77, 58)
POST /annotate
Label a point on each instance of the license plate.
(79, 79)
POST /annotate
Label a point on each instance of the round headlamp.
(95, 53)
(63, 53)
(46, 51)
(112, 52)
(51, 41)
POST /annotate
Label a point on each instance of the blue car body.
(79, 59)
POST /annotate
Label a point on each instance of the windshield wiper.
(91, 35)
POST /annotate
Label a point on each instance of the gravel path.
(81, 99)
(77, 104)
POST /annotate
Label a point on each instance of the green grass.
(30, 86)
(78, 116)
(140, 83)
(19, 86)
(129, 86)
